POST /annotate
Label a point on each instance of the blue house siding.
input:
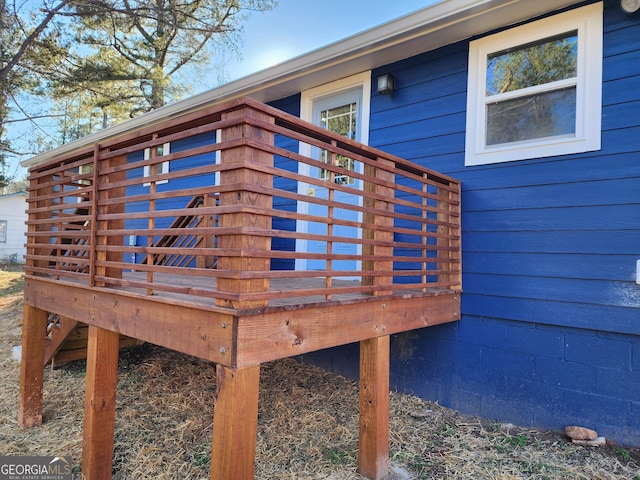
(290, 105)
(550, 333)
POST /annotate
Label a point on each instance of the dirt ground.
(307, 426)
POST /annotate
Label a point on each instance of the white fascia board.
(440, 24)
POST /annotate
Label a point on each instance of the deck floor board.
(286, 285)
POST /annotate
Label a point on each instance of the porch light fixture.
(387, 83)
(630, 6)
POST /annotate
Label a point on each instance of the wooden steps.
(66, 341)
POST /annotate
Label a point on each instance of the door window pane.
(341, 120)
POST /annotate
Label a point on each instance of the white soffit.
(440, 24)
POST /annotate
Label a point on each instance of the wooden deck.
(212, 258)
(300, 292)
(241, 338)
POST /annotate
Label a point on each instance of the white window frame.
(587, 21)
(164, 166)
(4, 226)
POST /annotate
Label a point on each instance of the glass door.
(339, 113)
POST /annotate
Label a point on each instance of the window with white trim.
(536, 90)
(161, 150)
(3, 231)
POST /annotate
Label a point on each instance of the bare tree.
(25, 42)
(101, 61)
(142, 46)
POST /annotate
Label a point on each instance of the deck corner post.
(100, 403)
(242, 168)
(34, 330)
(235, 423)
(374, 408)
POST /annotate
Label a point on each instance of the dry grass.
(307, 427)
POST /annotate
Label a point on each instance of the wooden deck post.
(239, 161)
(235, 423)
(34, 331)
(374, 353)
(100, 403)
(374, 408)
(34, 320)
(449, 237)
(235, 418)
(381, 221)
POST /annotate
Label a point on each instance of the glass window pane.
(534, 116)
(538, 63)
(341, 120)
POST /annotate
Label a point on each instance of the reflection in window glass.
(547, 61)
(548, 111)
(533, 116)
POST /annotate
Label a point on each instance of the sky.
(296, 27)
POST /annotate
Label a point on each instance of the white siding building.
(13, 227)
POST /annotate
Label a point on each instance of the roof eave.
(435, 26)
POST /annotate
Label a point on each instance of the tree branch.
(26, 44)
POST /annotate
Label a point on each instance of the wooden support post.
(34, 331)
(34, 322)
(374, 408)
(100, 403)
(235, 423)
(374, 353)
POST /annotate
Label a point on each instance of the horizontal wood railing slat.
(84, 208)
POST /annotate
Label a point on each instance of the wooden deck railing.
(281, 204)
